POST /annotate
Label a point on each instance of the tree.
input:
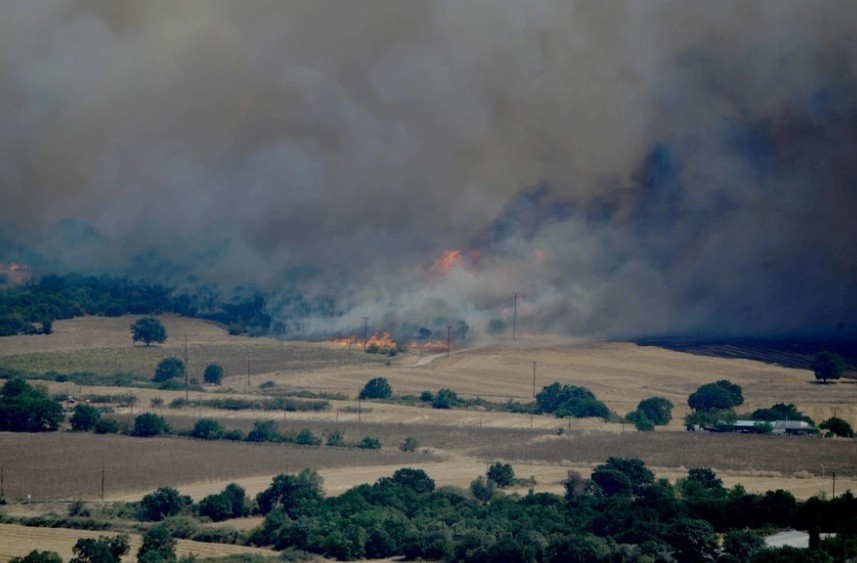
(377, 388)
(169, 368)
(482, 489)
(827, 365)
(158, 541)
(410, 444)
(149, 424)
(229, 503)
(24, 408)
(213, 374)
(657, 410)
(85, 418)
(837, 426)
(415, 479)
(705, 477)
(164, 502)
(743, 544)
(103, 550)
(207, 429)
(721, 394)
(148, 330)
(294, 494)
(264, 431)
(570, 401)
(694, 540)
(501, 473)
(37, 556)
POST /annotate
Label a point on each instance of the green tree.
(694, 540)
(837, 426)
(369, 443)
(149, 424)
(721, 394)
(264, 431)
(410, 444)
(102, 550)
(159, 542)
(24, 408)
(827, 365)
(501, 473)
(106, 426)
(414, 479)
(294, 494)
(377, 388)
(306, 438)
(164, 502)
(207, 429)
(483, 489)
(213, 374)
(657, 410)
(570, 401)
(85, 418)
(148, 330)
(705, 477)
(37, 556)
(168, 368)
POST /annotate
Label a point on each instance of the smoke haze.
(631, 168)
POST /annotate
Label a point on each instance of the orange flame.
(344, 341)
(381, 344)
(446, 262)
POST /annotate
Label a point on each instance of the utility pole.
(514, 315)
(365, 332)
(534, 380)
(248, 370)
(833, 496)
(186, 370)
(102, 482)
(2, 483)
(448, 338)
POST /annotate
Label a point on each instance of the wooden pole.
(448, 338)
(514, 315)
(102, 482)
(534, 380)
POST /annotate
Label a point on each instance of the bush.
(369, 443)
(149, 424)
(37, 556)
(410, 444)
(158, 545)
(106, 426)
(213, 374)
(306, 438)
(426, 397)
(445, 399)
(266, 431)
(377, 388)
(644, 425)
(169, 368)
(230, 503)
(335, 438)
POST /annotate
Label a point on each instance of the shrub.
(377, 388)
(445, 399)
(410, 444)
(106, 426)
(37, 556)
(837, 426)
(369, 443)
(306, 438)
(644, 425)
(335, 438)
(426, 397)
(266, 431)
(158, 545)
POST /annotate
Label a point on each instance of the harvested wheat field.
(18, 541)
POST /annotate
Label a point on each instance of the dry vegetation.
(621, 374)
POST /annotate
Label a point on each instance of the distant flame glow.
(448, 260)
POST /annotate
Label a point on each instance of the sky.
(628, 168)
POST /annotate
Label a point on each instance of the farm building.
(796, 427)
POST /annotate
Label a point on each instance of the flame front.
(446, 262)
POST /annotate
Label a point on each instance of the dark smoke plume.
(630, 168)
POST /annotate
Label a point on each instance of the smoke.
(628, 168)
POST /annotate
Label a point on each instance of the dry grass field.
(17, 541)
(456, 445)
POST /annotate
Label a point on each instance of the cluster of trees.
(713, 403)
(570, 401)
(25, 408)
(621, 514)
(66, 296)
(268, 431)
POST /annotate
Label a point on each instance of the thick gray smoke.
(630, 168)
